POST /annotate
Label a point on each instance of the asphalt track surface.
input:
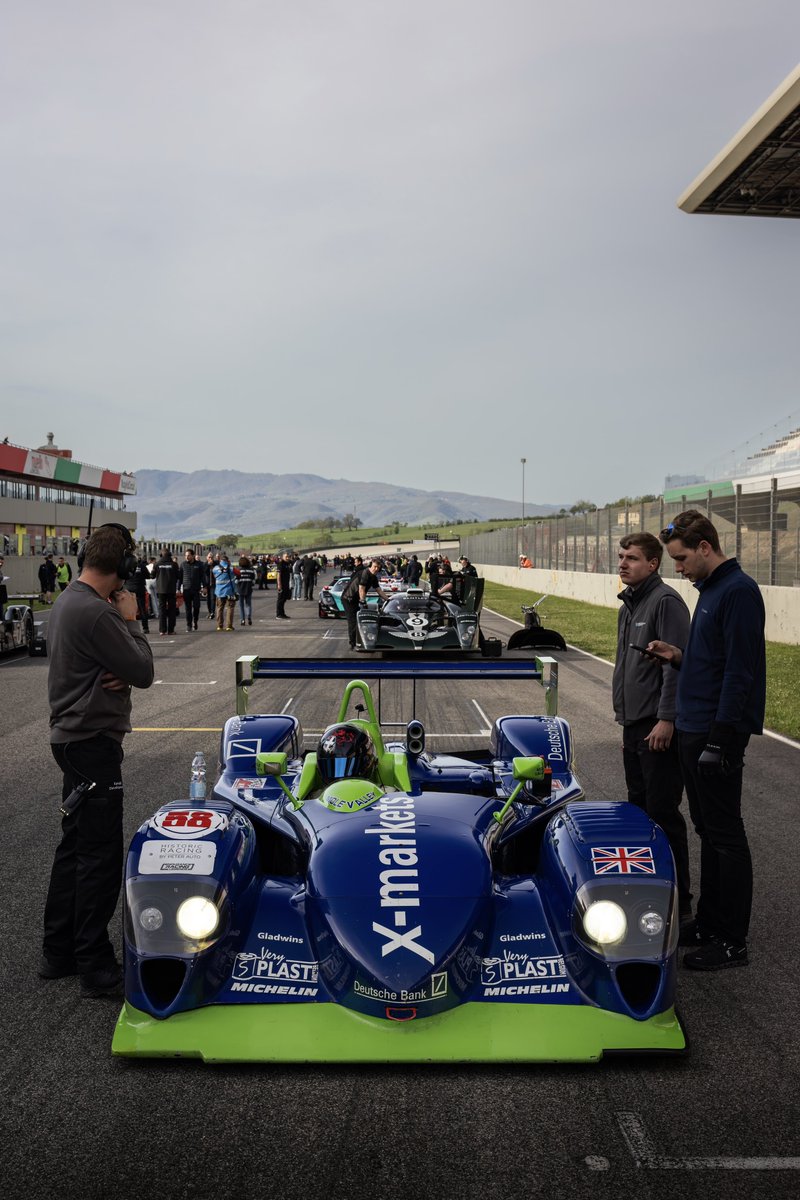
(76, 1122)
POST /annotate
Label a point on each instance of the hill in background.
(202, 504)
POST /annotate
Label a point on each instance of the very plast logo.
(186, 824)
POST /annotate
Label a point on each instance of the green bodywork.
(475, 1032)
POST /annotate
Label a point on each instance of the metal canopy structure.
(758, 172)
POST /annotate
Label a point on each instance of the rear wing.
(447, 666)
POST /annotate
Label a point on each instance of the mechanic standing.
(643, 693)
(191, 576)
(354, 597)
(720, 703)
(97, 653)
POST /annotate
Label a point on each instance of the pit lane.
(76, 1122)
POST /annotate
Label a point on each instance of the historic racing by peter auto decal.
(407, 904)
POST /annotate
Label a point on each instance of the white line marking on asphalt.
(175, 683)
(287, 705)
(487, 724)
(644, 1154)
(779, 737)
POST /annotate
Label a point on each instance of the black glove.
(718, 757)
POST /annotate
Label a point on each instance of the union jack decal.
(623, 860)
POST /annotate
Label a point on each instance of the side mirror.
(275, 764)
(527, 768)
(535, 779)
(271, 764)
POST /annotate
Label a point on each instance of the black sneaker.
(692, 935)
(107, 981)
(715, 956)
(57, 968)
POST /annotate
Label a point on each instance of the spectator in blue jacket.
(225, 591)
(720, 703)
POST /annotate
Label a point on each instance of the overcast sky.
(405, 241)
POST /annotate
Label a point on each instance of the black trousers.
(141, 600)
(211, 602)
(191, 604)
(167, 613)
(726, 869)
(655, 784)
(280, 605)
(351, 608)
(86, 876)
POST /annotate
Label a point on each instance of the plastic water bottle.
(197, 788)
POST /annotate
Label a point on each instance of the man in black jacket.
(191, 576)
(137, 584)
(47, 579)
(721, 695)
(284, 582)
(644, 696)
(309, 568)
(167, 589)
(362, 581)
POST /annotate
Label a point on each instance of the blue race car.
(329, 599)
(376, 901)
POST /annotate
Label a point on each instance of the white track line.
(487, 724)
(644, 1154)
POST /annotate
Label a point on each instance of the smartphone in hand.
(648, 653)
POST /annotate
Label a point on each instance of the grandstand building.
(46, 496)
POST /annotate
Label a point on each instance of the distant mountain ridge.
(201, 504)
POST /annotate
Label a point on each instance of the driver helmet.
(346, 752)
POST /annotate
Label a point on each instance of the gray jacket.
(643, 687)
(86, 637)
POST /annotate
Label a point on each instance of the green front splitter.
(476, 1032)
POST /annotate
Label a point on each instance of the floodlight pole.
(522, 528)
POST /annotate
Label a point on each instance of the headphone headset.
(126, 567)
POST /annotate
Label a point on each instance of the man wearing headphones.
(97, 652)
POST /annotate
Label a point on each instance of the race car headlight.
(197, 918)
(151, 919)
(605, 923)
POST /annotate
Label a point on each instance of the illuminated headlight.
(605, 923)
(197, 918)
(151, 919)
(651, 924)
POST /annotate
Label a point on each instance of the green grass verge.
(388, 535)
(593, 628)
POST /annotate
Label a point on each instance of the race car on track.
(418, 619)
(375, 901)
(329, 598)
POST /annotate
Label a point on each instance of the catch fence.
(761, 529)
